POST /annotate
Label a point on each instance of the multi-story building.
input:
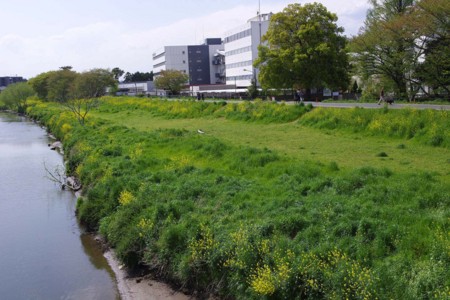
(198, 61)
(241, 50)
(7, 80)
(136, 88)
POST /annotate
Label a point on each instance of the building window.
(156, 56)
(159, 65)
(184, 61)
(183, 52)
(238, 36)
(239, 64)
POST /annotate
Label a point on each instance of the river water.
(44, 254)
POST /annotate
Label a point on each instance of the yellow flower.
(262, 281)
(125, 197)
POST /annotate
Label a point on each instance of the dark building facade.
(7, 80)
(198, 65)
(199, 57)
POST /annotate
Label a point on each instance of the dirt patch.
(137, 288)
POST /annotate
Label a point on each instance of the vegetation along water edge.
(219, 211)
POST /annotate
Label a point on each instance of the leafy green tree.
(138, 76)
(171, 81)
(431, 20)
(405, 42)
(85, 90)
(92, 84)
(40, 84)
(117, 73)
(395, 37)
(435, 70)
(252, 90)
(354, 87)
(76, 91)
(59, 85)
(305, 48)
(15, 96)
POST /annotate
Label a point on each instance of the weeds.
(247, 222)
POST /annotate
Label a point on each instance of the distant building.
(241, 50)
(202, 63)
(136, 88)
(5, 81)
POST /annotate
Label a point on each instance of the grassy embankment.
(272, 200)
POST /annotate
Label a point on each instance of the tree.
(431, 20)
(386, 46)
(76, 91)
(59, 85)
(172, 81)
(435, 69)
(138, 76)
(405, 42)
(305, 48)
(252, 90)
(86, 89)
(15, 96)
(40, 84)
(117, 73)
(92, 84)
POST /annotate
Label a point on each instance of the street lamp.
(253, 73)
(254, 87)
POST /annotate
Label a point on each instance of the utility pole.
(260, 33)
(259, 20)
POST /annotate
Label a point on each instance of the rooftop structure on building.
(203, 63)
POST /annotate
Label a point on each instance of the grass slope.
(258, 207)
(347, 149)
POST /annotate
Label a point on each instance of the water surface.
(44, 253)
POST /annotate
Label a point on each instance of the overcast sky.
(42, 35)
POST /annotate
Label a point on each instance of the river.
(44, 253)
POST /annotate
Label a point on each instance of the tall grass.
(257, 111)
(248, 223)
(429, 127)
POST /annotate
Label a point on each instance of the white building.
(171, 58)
(200, 62)
(136, 88)
(241, 50)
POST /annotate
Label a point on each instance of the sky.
(37, 36)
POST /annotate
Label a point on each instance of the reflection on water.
(43, 252)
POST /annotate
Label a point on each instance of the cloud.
(116, 44)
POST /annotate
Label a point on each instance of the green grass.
(348, 150)
(258, 208)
